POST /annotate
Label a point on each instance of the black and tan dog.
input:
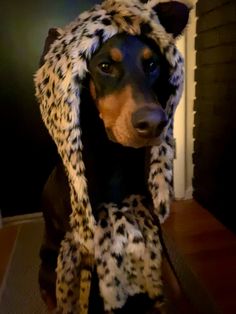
(121, 108)
(126, 108)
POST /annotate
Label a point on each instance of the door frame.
(184, 116)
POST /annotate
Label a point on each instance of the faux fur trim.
(128, 262)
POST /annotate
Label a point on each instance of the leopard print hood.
(58, 88)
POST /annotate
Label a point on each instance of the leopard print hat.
(58, 88)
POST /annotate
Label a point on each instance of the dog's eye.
(105, 67)
(151, 65)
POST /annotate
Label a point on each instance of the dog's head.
(135, 70)
(127, 78)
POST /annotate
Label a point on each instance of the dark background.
(27, 154)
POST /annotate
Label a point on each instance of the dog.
(109, 104)
(121, 117)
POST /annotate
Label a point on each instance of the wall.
(215, 106)
(190, 61)
(179, 135)
(183, 126)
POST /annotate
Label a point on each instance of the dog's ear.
(173, 15)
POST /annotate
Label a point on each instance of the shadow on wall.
(27, 152)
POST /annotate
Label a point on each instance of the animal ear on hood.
(173, 15)
(53, 34)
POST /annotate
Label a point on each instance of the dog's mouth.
(132, 139)
(142, 128)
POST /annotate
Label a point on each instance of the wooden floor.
(204, 254)
(7, 239)
(202, 251)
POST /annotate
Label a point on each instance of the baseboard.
(19, 219)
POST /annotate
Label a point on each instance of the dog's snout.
(149, 122)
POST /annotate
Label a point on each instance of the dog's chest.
(113, 172)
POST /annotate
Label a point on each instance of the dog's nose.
(149, 122)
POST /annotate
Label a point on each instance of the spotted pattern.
(127, 252)
(121, 267)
